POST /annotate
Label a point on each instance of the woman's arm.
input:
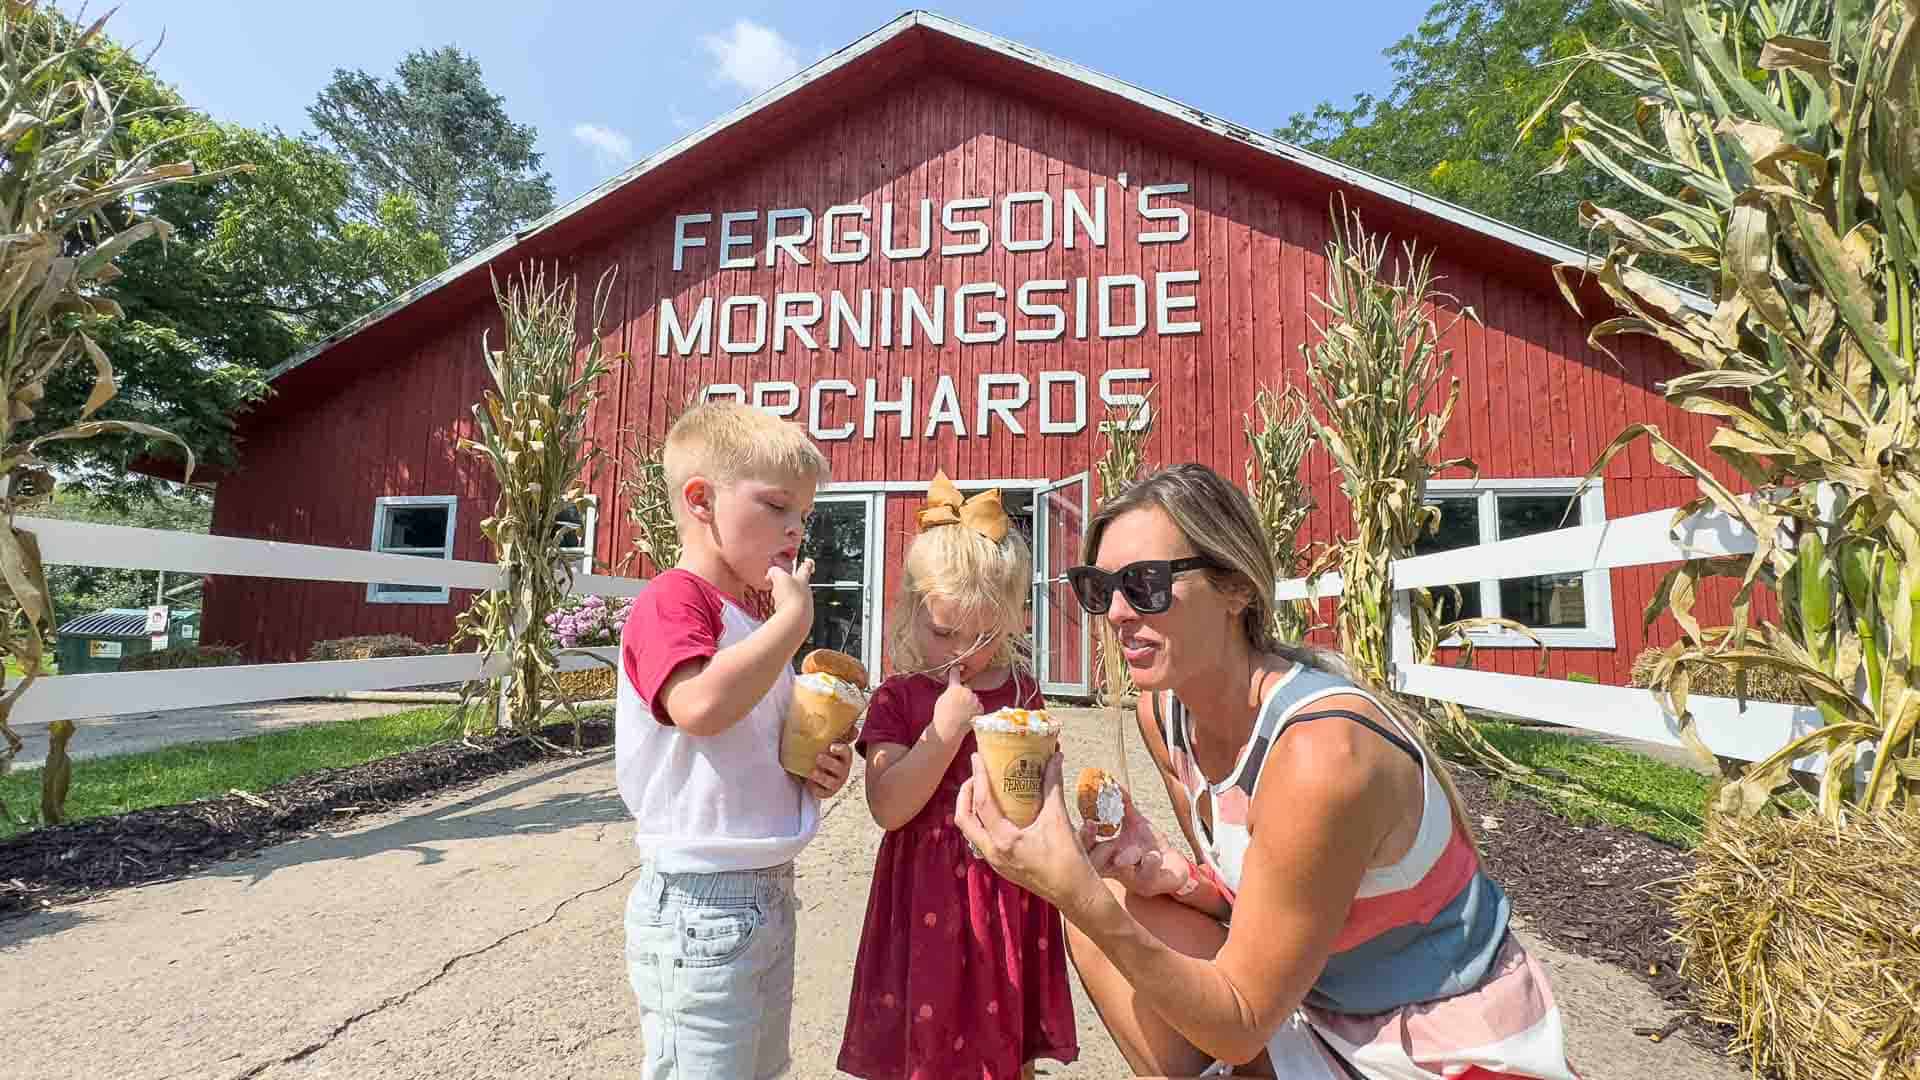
(1326, 801)
(901, 779)
(1139, 857)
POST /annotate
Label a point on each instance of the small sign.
(103, 650)
(159, 641)
(157, 619)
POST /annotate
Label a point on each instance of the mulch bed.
(1597, 890)
(71, 862)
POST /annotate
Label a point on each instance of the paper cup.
(1016, 764)
(816, 720)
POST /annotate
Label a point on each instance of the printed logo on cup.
(1025, 776)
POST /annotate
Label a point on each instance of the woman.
(1334, 920)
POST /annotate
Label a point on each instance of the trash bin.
(100, 641)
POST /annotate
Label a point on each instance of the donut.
(1098, 791)
(837, 664)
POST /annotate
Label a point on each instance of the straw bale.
(1804, 937)
(1717, 680)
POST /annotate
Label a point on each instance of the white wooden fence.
(78, 543)
(1747, 733)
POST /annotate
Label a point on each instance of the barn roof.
(910, 42)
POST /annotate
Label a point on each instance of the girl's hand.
(1138, 857)
(956, 707)
(1045, 858)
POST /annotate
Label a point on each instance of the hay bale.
(593, 684)
(183, 656)
(1717, 680)
(1804, 936)
(366, 647)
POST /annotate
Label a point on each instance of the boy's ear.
(698, 493)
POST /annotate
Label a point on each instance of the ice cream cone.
(1016, 744)
(823, 712)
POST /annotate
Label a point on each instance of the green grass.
(47, 667)
(192, 771)
(1664, 801)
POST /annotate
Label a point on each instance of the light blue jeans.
(710, 957)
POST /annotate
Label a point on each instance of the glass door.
(840, 541)
(1063, 634)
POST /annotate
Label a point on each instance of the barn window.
(420, 525)
(1566, 610)
(577, 532)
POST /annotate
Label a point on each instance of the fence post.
(1400, 638)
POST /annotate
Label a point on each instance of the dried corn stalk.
(1281, 497)
(1796, 129)
(1376, 373)
(533, 434)
(1126, 430)
(59, 130)
(650, 506)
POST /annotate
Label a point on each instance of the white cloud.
(679, 118)
(608, 144)
(752, 56)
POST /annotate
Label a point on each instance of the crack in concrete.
(398, 999)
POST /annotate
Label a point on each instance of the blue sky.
(607, 82)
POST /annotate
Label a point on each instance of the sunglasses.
(1147, 585)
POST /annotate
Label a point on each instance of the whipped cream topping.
(822, 683)
(1033, 721)
(1110, 805)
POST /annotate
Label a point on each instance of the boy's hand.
(831, 770)
(956, 707)
(793, 592)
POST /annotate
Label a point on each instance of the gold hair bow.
(982, 513)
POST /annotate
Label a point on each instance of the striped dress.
(1424, 980)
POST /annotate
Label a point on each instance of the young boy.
(703, 691)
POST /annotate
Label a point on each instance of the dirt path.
(477, 934)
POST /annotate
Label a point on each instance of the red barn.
(936, 248)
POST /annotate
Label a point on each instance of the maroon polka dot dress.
(961, 973)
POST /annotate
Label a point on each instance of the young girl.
(960, 972)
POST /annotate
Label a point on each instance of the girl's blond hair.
(979, 575)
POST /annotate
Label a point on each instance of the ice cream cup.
(1015, 745)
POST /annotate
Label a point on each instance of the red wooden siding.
(1537, 400)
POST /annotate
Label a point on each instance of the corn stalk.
(1280, 494)
(533, 434)
(63, 172)
(1796, 128)
(1376, 373)
(1126, 431)
(650, 506)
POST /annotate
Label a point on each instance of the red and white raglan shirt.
(702, 804)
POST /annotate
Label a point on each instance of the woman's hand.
(1045, 858)
(1137, 857)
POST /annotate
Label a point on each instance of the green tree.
(82, 590)
(259, 264)
(439, 138)
(1464, 82)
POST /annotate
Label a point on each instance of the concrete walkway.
(130, 733)
(478, 934)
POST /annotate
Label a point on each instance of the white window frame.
(1596, 585)
(381, 505)
(589, 529)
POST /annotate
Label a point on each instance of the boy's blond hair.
(725, 441)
